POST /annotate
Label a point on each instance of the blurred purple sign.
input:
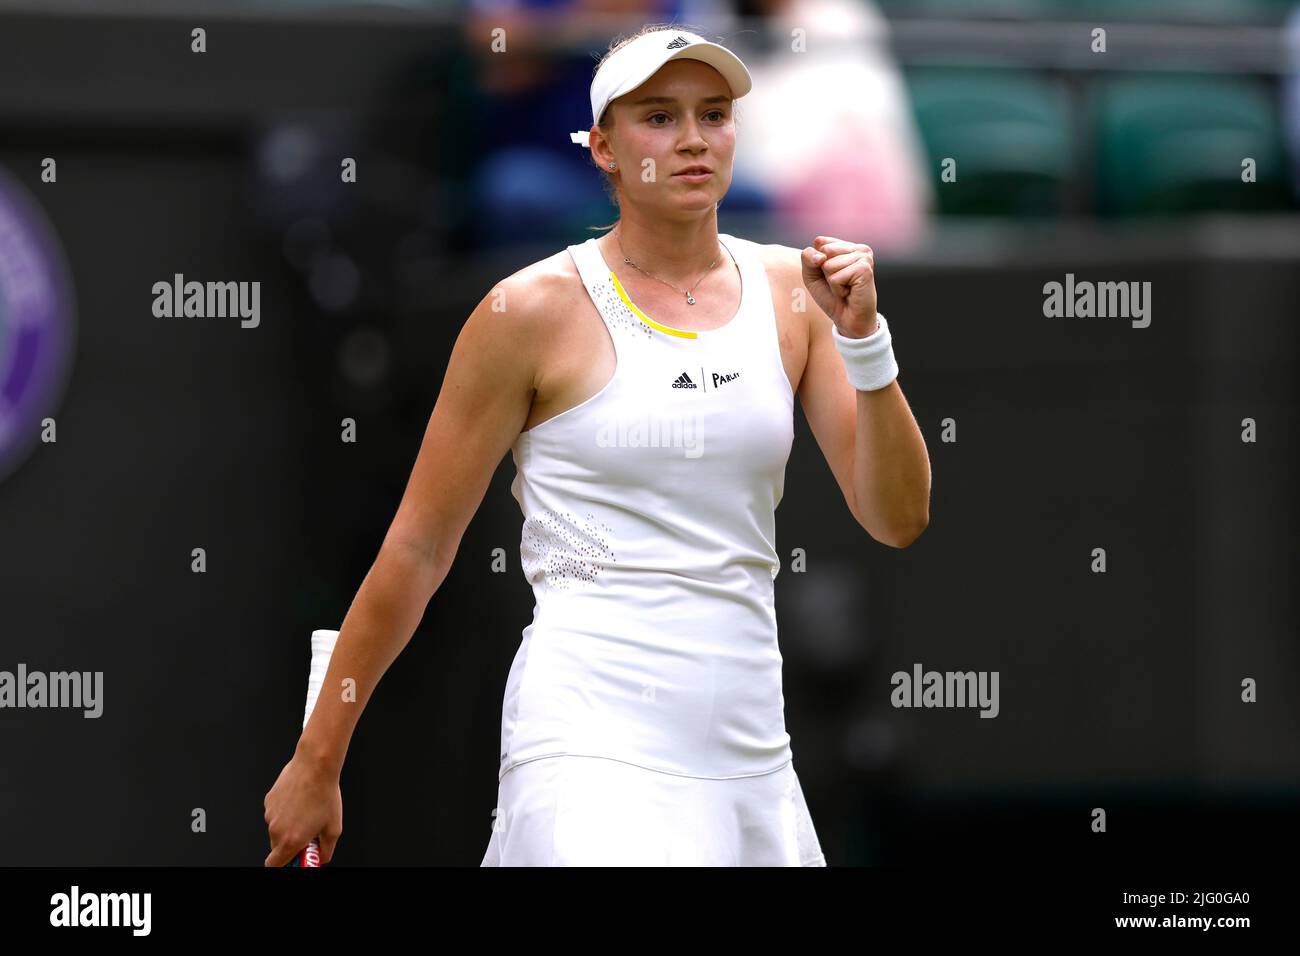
(37, 322)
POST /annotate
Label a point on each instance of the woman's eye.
(714, 113)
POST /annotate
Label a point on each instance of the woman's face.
(680, 117)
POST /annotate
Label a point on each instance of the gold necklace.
(690, 299)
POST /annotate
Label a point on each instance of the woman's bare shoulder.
(782, 262)
(540, 290)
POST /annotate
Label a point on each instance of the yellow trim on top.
(681, 333)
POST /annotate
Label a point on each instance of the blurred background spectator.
(1291, 96)
(531, 181)
(827, 132)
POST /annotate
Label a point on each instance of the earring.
(611, 165)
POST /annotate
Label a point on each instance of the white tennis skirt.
(575, 810)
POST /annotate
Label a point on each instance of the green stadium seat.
(1102, 12)
(1007, 129)
(1169, 144)
(1166, 11)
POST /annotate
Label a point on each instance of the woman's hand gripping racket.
(322, 646)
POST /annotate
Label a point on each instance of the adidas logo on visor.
(684, 381)
(678, 43)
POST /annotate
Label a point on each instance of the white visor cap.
(635, 63)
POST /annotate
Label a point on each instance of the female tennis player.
(644, 384)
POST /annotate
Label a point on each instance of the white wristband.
(868, 360)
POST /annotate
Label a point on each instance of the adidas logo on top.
(679, 42)
(684, 381)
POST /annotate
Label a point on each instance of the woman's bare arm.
(484, 401)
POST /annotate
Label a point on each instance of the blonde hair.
(606, 121)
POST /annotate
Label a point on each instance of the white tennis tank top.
(649, 539)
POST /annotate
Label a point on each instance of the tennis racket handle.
(307, 856)
(322, 646)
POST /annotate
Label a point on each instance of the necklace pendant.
(690, 299)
